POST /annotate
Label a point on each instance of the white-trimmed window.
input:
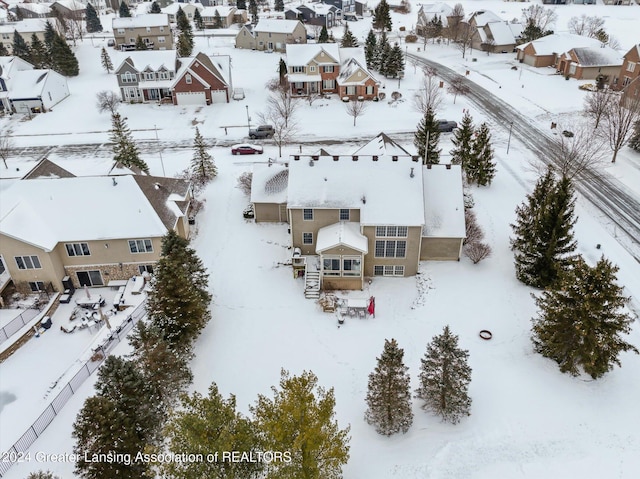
(572, 69)
(388, 270)
(161, 40)
(631, 66)
(161, 27)
(307, 214)
(148, 29)
(121, 31)
(344, 214)
(128, 77)
(331, 265)
(28, 262)
(141, 246)
(391, 231)
(150, 76)
(307, 238)
(369, 90)
(312, 68)
(390, 249)
(145, 268)
(77, 249)
(297, 69)
(187, 79)
(327, 69)
(351, 266)
(163, 75)
(351, 90)
(36, 286)
(328, 84)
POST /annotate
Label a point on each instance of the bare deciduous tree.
(429, 95)
(244, 182)
(282, 104)
(311, 97)
(541, 17)
(488, 45)
(6, 144)
(355, 109)
(619, 120)
(579, 157)
(476, 252)
(465, 36)
(458, 86)
(596, 104)
(454, 22)
(283, 129)
(473, 231)
(108, 101)
(586, 25)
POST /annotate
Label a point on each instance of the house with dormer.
(492, 33)
(428, 12)
(322, 68)
(271, 35)
(202, 80)
(146, 76)
(318, 14)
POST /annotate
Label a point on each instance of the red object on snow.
(372, 306)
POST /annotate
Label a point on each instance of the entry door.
(90, 278)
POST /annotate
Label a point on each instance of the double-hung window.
(344, 214)
(307, 214)
(297, 69)
(77, 249)
(141, 246)
(28, 262)
(331, 265)
(388, 270)
(390, 249)
(307, 238)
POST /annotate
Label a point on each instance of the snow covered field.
(528, 420)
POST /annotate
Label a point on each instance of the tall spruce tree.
(241, 4)
(38, 52)
(482, 167)
(198, 21)
(324, 35)
(389, 394)
(382, 16)
(348, 40)
(278, 5)
(49, 35)
(581, 320)
(385, 61)
(185, 42)
(179, 301)
(63, 59)
(125, 151)
(203, 169)
(634, 141)
(210, 423)
(124, 10)
(92, 19)
(217, 20)
(427, 137)
(382, 51)
(370, 48)
(394, 64)
(463, 142)
(155, 8)
(253, 10)
(3, 50)
(140, 44)
(300, 418)
(543, 240)
(105, 60)
(20, 47)
(444, 378)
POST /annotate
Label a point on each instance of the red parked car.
(246, 149)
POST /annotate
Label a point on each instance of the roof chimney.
(448, 166)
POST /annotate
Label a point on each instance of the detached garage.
(202, 80)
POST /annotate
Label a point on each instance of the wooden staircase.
(311, 284)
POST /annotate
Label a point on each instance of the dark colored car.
(263, 131)
(445, 125)
(246, 149)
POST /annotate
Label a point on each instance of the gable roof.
(11, 64)
(482, 17)
(269, 183)
(381, 145)
(223, 11)
(558, 43)
(147, 20)
(155, 59)
(214, 64)
(28, 84)
(167, 197)
(427, 12)
(301, 54)
(504, 33)
(276, 26)
(592, 57)
(71, 5)
(443, 201)
(47, 169)
(352, 60)
(342, 233)
(635, 49)
(28, 25)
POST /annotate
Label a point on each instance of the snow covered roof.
(72, 5)
(276, 26)
(603, 56)
(381, 145)
(29, 83)
(482, 17)
(224, 11)
(11, 64)
(301, 54)
(218, 65)
(28, 25)
(173, 8)
(44, 212)
(47, 169)
(443, 202)
(558, 43)
(321, 9)
(440, 9)
(154, 59)
(38, 8)
(503, 32)
(382, 189)
(269, 183)
(148, 20)
(343, 233)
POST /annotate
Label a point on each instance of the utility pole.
(159, 150)
(248, 119)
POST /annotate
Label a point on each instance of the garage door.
(219, 96)
(191, 98)
(530, 60)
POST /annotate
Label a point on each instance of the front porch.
(155, 91)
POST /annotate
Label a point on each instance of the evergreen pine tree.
(203, 169)
(444, 378)
(38, 52)
(217, 20)
(581, 321)
(125, 152)
(348, 40)
(463, 141)
(124, 9)
(241, 4)
(482, 168)
(385, 61)
(3, 50)
(140, 44)
(20, 47)
(155, 8)
(389, 394)
(282, 73)
(49, 35)
(370, 48)
(205, 424)
(63, 59)
(105, 60)
(382, 16)
(301, 419)
(178, 304)
(92, 19)
(279, 6)
(426, 139)
(253, 10)
(634, 141)
(324, 35)
(382, 49)
(394, 66)
(199, 22)
(185, 42)
(543, 241)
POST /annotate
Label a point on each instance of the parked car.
(238, 94)
(567, 133)
(445, 125)
(246, 149)
(111, 42)
(263, 131)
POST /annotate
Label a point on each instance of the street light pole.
(509, 141)
(159, 150)
(248, 119)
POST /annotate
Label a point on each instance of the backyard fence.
(16, 452)
(17, 323)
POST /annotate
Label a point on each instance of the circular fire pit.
(486, 334)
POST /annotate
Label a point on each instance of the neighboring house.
(188, 8)
(591, 63)
(228, 15)
(33, 10)
(146, 76)
(91, 229)
(319, 14)
(361, 216)
(630, 69)
(35, 91)
(271, 35)
(491, 33)
(345, 6)
(556, 2)
(9, 66)
(202, 80)
(361, 8)
(70, 9)
(616, 2)
(428, 12)
(154, 29)
(25, 28)
(546, 51)
(321, 68)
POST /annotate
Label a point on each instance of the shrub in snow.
(477, 251)
(244, 182)
(473, 231)
(396, 95)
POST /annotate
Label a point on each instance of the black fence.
(16, 324)
(55, 406)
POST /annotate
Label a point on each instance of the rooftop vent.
(296, 157)
(394, 158)
(448, 166)
(336, 157)
(411, 175)
(375, 157)
(114, 181)
(354, 157)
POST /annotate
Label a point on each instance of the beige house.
(546, 51)
(25, 28)
(90, 229)
(591, 63)
(189, 10)
(357, 216)
(271, 35)
(154, 29)
(228, 14)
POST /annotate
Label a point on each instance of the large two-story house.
(154, 29)
(322, 68)
(271, 34)
(26, 29)
(319, 14)
(628, 78)
(146, 76)
(91, 229)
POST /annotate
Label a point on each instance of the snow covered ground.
(528, 420)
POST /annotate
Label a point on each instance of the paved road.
(611, 197)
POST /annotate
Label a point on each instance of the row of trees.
(473, 151)
(444, 379)
(381, 56)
